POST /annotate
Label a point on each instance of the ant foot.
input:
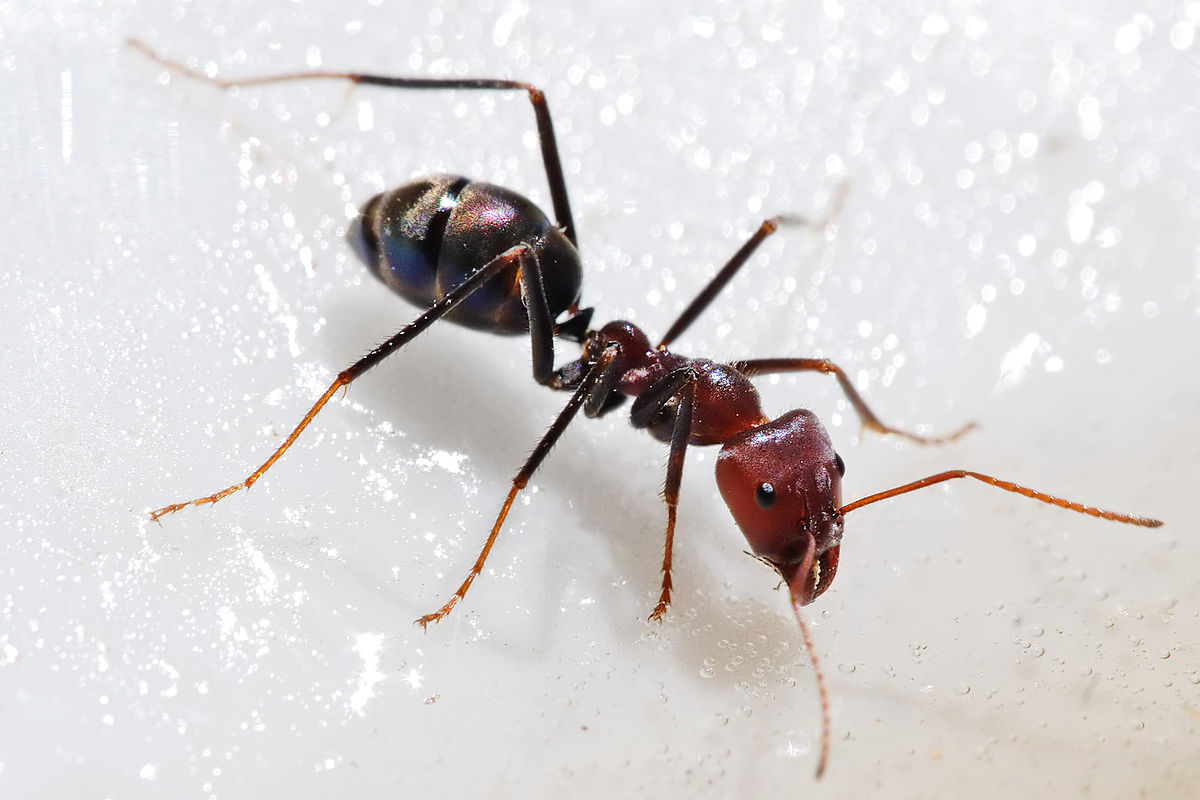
(436, 616)
(155, 516)
(916, 438)
(201, 501)
(970, 426)
(425, 620)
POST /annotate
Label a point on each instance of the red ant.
(486, 257)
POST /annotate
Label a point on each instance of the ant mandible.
(488, 258)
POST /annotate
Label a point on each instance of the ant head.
(782, 482)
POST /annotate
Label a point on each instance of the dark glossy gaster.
(426, 238)
(485, 257)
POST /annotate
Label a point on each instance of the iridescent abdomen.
(425, 238)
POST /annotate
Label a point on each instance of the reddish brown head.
(782, 482)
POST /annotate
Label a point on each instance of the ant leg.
(347, 376)
(679, 385)
(723, 276)
(766, 366)
(599, 381)
(541, 110)
(541, 324)
(726, 273)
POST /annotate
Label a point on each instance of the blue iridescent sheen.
(407, 264)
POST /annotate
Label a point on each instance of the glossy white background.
(1018, 248)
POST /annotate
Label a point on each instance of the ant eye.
(841, 465)
(765, 495)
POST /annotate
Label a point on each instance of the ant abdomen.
(425, 238)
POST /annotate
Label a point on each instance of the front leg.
(599, 380)
(767, 366)
(678, 385)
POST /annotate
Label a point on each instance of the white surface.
(1019, 248)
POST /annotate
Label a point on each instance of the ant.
(487, 258)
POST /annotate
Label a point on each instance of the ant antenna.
(1008, 486)
(824, 695)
